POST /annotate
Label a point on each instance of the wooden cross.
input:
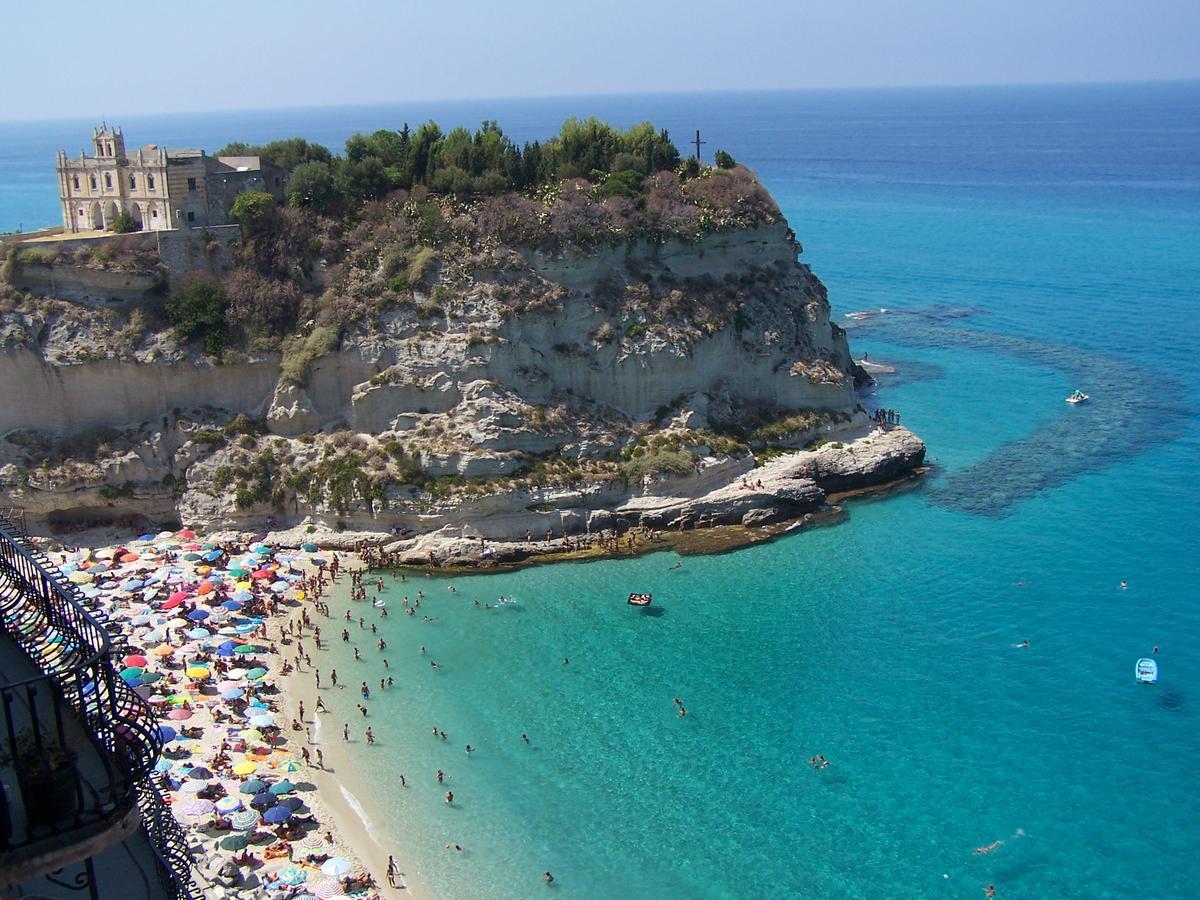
(697, 142)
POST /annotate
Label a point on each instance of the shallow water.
(1027, 242)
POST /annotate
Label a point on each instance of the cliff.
(503, 377)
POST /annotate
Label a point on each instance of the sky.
(72, 58)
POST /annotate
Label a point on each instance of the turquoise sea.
(1024, 242)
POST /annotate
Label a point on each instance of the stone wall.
(188, 249)
(84, 284)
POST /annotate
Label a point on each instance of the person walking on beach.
(346, 731)
(392, 870)
(370, 736)
(320, 758)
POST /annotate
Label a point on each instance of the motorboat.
(639, 599)
(1146, 671)
(1077, 397)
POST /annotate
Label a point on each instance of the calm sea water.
(1025, 242)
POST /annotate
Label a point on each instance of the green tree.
(254, 211)
(724, 160)
(197, 312)
(311, 185)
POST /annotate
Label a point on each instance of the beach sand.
(154, 617)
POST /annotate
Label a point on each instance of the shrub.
(197, 311)
(300, 352)
(635, 330)
(724, 160)
(419, 265)
(124, 223)
(675, 462)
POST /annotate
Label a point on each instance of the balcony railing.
(79, 740)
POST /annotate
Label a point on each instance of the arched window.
(75, 182)
(108, 180)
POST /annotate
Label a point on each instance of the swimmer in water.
(980, 851)
(525, 738)
(1124, 585)
(990, 891)
(676, 566)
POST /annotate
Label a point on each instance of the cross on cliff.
(697, 142)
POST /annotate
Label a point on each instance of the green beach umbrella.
(256, 673)
(243, 649)
(281, 787)
(235, 841)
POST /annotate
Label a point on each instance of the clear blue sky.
(72, 58)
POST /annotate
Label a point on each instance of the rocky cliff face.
(627, 367)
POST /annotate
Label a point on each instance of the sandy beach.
(207, 624)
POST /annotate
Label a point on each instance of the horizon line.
(829, 89)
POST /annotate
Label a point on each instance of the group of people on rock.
(886, 417)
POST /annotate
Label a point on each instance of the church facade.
(158, 188)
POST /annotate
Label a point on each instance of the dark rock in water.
(1134, 408)
(757, 517)
(1170, 699)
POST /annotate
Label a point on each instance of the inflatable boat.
(1077, 397)
(639, 599)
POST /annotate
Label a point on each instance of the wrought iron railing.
(77, 697)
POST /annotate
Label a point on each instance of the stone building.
(158, 187)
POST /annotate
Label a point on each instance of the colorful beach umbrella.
(292, 876)
(245, 820)
(197, 807)
(244, 768)
(228, 805)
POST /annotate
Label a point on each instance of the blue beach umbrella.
(282, 787)
(277, 815)
(263, 800)
(167, 733)
(253, 786)
(198, 615)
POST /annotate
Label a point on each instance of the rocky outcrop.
(476, 417)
